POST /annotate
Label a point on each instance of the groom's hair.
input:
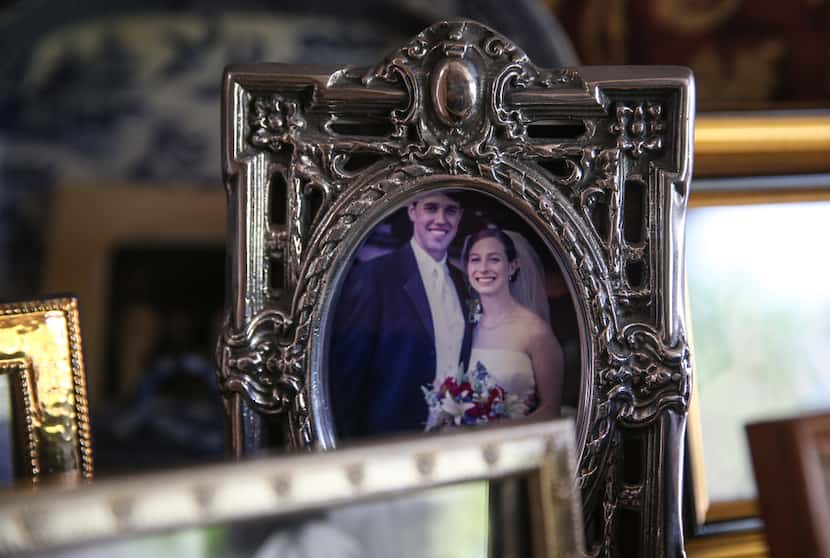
(454, 195)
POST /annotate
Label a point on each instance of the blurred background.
(110, 187)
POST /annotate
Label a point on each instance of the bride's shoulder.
(532, 323)
(538, 338)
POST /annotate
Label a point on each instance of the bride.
(512, 342)
(514, 366)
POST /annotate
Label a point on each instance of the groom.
(399, 325)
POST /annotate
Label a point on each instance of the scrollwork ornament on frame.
(461, 106)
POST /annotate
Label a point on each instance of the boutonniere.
(473, 310)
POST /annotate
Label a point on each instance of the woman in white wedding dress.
(514, 343)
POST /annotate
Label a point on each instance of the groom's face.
(435, 220)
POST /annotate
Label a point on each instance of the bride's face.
(488, 268)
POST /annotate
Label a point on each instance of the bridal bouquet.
(470, 398)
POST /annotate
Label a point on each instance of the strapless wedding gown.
(511, 370)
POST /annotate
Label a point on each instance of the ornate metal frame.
(597, 159)
(40, 350)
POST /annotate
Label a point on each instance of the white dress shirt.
(445, 308)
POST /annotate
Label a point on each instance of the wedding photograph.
(453, 312)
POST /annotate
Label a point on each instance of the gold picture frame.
(754, 158)
(40, 351)
(762, 143)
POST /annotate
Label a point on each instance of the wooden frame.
(791, 459)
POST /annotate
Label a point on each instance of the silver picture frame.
(597, 160)
(280, 493)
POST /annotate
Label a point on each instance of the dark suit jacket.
(383, 347)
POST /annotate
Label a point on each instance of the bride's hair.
(493, 232)
(529, 289)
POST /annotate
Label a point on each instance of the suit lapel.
(415, 290)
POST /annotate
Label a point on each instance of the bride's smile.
(488, 267)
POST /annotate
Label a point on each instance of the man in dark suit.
(399, 325)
